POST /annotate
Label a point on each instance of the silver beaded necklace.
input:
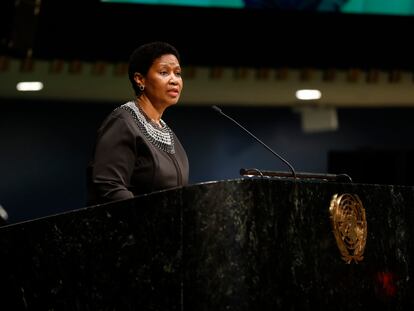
(160, 137)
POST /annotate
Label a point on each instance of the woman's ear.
(138, 78)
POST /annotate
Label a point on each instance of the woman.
(135, 151)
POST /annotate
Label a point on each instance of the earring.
(141, 87)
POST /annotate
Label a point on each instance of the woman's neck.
(152, 112)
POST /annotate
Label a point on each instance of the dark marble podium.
(244, 244)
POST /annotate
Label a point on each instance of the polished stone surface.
(244, 244)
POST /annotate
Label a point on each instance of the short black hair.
(144, 56)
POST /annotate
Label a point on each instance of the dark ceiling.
(90, 30)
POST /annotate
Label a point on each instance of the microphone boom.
(257, 139)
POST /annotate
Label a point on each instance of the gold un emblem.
(349, 226)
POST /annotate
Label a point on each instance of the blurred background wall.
(247, 60)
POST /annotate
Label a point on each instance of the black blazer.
(127, 161)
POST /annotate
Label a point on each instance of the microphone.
(257, 139)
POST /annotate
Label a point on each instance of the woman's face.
(163, 82)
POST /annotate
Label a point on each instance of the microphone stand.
(293, 173)
(299, 175)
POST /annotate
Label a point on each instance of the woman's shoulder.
(122, 112)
